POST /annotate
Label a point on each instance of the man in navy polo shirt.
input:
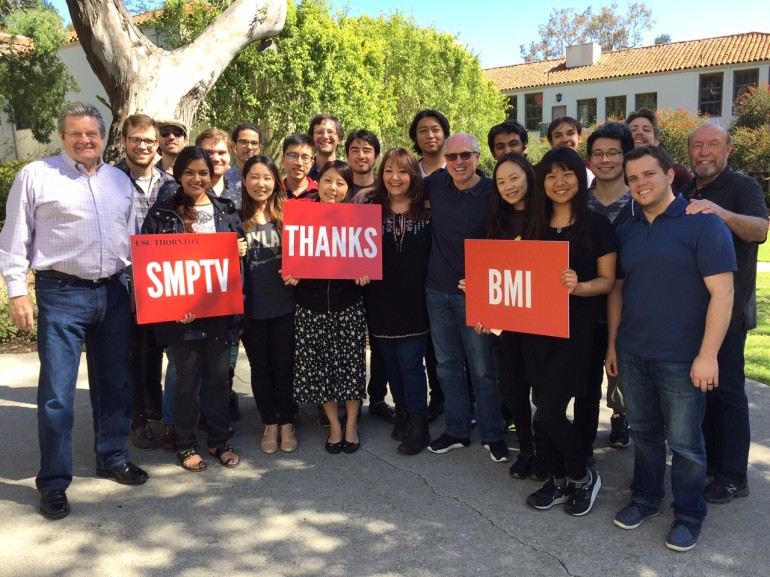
(738, 201)
(677, 294)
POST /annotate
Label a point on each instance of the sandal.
(230, 463)
(186, 455)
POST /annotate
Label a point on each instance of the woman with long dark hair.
(200, 348)
(269, 309)
(395, 306)
(330, 328)
(559, 368)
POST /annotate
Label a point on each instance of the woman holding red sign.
(559, 368)
(330, 328)
(402, 331)
(200, 348)
(269, 309)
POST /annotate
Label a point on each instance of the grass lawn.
(758, 340)
(764, 252)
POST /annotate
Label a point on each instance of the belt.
(71, 277)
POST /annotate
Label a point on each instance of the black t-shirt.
(267, 297)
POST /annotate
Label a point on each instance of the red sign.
(329, 240)
(176, 274)
(515, 285)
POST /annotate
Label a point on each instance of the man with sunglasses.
(459, 200)
(173, 138)
(145, 357)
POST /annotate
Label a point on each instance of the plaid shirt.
(142, 202)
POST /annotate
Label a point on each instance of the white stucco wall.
(675, 90)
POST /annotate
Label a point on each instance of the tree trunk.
(138, 76)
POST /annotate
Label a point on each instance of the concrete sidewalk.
(373, 513)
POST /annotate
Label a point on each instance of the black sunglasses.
(166, 132)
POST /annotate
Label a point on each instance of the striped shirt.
(59, 217)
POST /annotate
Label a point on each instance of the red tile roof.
(721, 51)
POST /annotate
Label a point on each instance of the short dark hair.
(615, 131)
(367, 136)
(427, 113)
(139, 121)
(319, 118)
(650, 115)
(657, 152)
(246, 126)
(556, 122)
(298, 139)
(507, 127)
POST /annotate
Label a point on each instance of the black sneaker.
(498, 451)
(548, 495)
(619, 431)
(522, 466)
(446, 443)
(583, 495)
(539, 469)
(719, 491)
(634, 514)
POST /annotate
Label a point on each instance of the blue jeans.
(726, 425)
(662, 403)
(406, 373)
(70, 314)
(454, 341)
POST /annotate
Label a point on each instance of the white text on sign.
(178, 278)
(342, 241)
(512, 288)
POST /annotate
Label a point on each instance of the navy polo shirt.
(665, 299)
(455, 215)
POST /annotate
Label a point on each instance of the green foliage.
(373, 73)
(675, 127)
(608, 28)
(8, 172)
(34, 84)
(758, 340)
(662, 39)
(752, 109)
(8, 331)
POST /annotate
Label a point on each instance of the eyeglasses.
(252, 143)
(88, 135)
(295, 157)
(136, 141)
(452, 156)
(610, 154)
(166, 132)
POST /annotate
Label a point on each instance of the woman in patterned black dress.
(330, 332)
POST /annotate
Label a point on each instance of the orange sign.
(515, 285)
(341, 241)
(176, 274)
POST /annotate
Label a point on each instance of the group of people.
(661, 283)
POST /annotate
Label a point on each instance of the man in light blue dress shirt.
(69, 218)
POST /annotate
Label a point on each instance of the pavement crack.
(475, 510)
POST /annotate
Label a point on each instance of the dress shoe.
(142, 438)
(168, 441)
(269, 444)
(383, 410)
(288, 439)
(334, 448)
(126, 473)
(54, 505)
(349, 447)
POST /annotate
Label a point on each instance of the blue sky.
(494, 34)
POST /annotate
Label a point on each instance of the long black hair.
(182, 203)
(505, 222)
(541, 206)
(273, 210)
(344, 170)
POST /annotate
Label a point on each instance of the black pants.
(559, 442)
(201, 364)
(145, 367)
(586, 407)
(378, 378)
(269, 345)
(514, 387)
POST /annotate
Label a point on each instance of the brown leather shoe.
(269, 442)
(288, 439)
(168, 441)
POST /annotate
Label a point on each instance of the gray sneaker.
(583, 495)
